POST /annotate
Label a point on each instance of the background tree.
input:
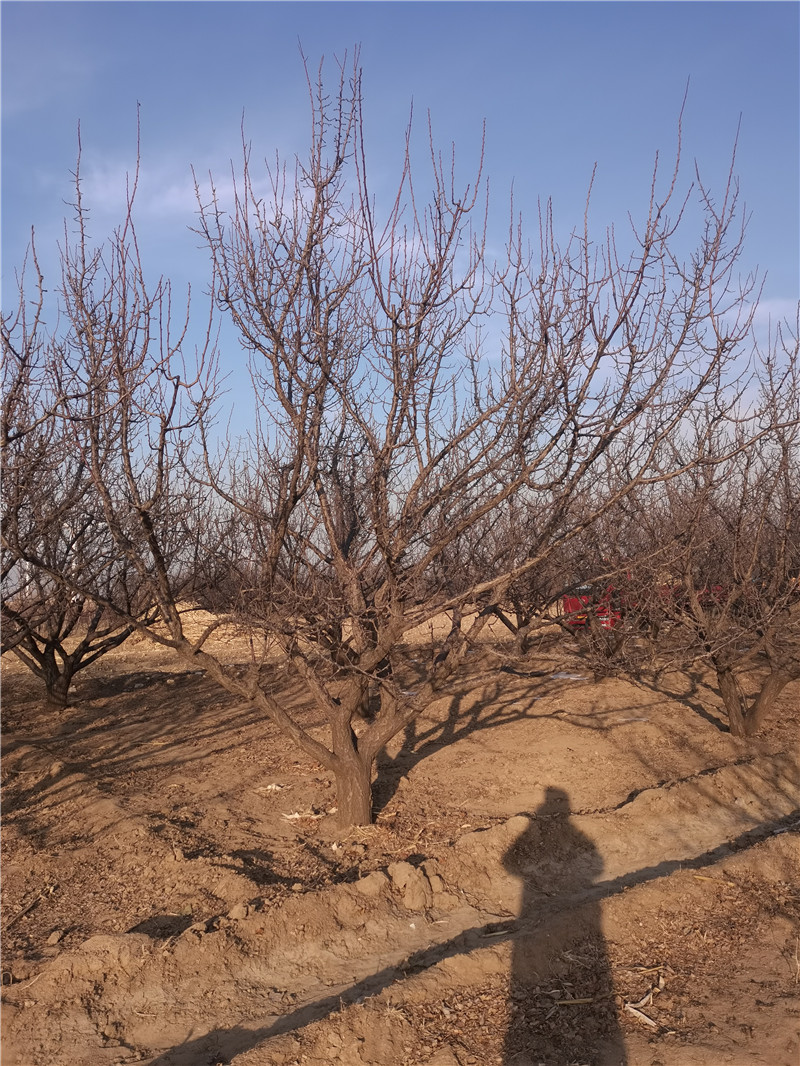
(55, 630)
(720, 582)
(69, 594)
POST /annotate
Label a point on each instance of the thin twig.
(714, 880)
(641, 1017)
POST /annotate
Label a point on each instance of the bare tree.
(408, 395)
(720, 581)
(54, 632)
(69, 594)
(53, 629)
(707, 563)
(390, 431)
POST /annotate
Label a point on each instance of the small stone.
(241, 910)
(445, 1056)
(412, 884)
(373, 884)
(55, 936)
(297, 887)
(431, 868)
(348, 912)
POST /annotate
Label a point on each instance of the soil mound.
(181, 896)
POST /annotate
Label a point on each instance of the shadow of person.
(562, 1005)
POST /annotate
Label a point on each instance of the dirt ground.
(561, 872)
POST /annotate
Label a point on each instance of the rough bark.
(734, 700)
(764, 702)
(57, 681)
(746, 718)
(352, 767)
(354, 793)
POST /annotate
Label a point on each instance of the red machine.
(585, 600)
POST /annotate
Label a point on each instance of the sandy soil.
(561, 873)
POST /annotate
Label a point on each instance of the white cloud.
(165, 190)
(773, 311)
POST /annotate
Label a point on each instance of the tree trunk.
(746, 719)
(57, 676)
(56, 681)
(354, 794)
(733, 699)
(352, 769)
(773, 685)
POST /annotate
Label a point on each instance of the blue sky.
(561, 86)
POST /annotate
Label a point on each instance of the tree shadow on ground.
(468, 714)
(169, 721)
(423, 737)
(689, 691)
